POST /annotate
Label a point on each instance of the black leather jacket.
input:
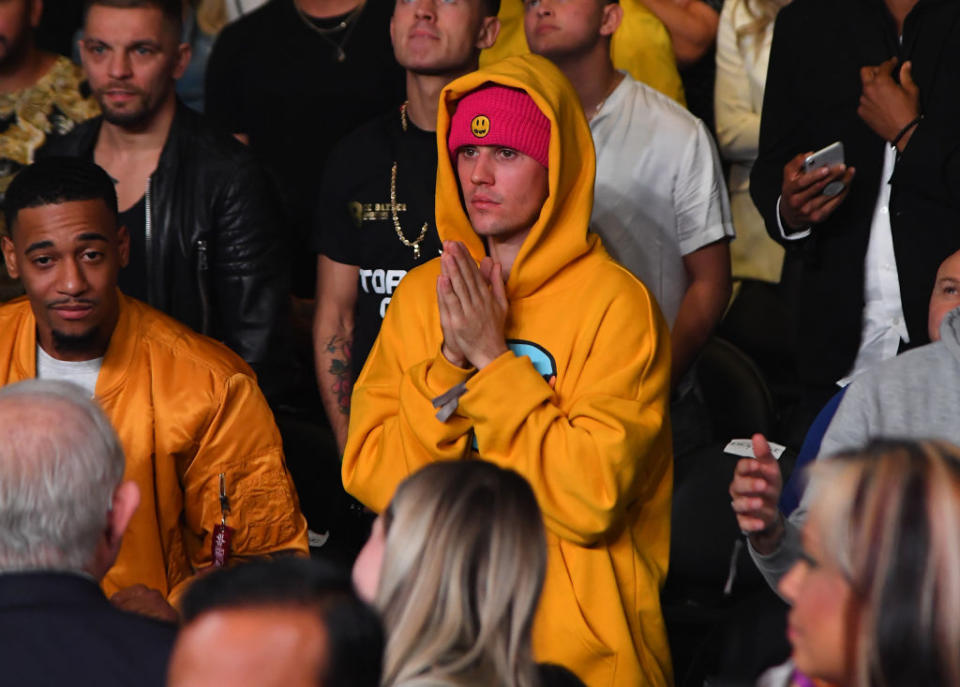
(216, 257)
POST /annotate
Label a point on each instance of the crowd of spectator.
(410, 343)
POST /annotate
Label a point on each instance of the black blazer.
(812, 93)
(58, 629)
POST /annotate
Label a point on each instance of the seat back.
(734, 391)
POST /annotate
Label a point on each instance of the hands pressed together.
(473, 307)
(802, 202)
(755, 495)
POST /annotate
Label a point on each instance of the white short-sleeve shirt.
(659, 193)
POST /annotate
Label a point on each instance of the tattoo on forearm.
(340, 348)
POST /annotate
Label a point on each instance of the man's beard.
(129, 119)
(74, 343)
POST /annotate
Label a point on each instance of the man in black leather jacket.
(197, 206)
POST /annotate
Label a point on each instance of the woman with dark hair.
(876, 591)
(455, 564)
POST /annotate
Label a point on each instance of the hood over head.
(559, 236)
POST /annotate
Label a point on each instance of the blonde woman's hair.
(463, 567)
(762, 14)
(889, 517)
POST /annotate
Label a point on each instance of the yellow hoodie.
(578, 406)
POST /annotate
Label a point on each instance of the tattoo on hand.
(340, 369)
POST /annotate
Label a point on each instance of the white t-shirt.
(83, 373)
(659, 193)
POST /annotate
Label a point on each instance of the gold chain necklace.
(415, 244)
(348, 23)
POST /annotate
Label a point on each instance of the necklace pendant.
(416, 251)
(341, 55)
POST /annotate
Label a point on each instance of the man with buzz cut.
(527, 345)
(200, 440)
(375, 218)
(205, 237)
(660, 202)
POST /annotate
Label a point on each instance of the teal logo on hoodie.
(542, 361)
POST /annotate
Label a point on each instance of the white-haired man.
(63, 510)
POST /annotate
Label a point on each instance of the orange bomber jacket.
(186, 409)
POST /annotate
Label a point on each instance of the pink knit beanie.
(500, 116)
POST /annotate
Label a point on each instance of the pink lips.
(121, 93)
(793, 634)
(544, 28)
(73, 312)
(422, 31)
(483, 202)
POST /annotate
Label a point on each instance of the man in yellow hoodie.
(542, 355)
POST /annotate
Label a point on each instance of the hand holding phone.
(829, 156)
(803, 201)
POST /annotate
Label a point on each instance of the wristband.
(904, 130)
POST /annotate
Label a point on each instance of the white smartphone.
(825, 157)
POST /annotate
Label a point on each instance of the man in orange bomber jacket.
(185, 407)
(526, 345)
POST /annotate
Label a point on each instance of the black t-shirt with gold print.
(354, 224)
